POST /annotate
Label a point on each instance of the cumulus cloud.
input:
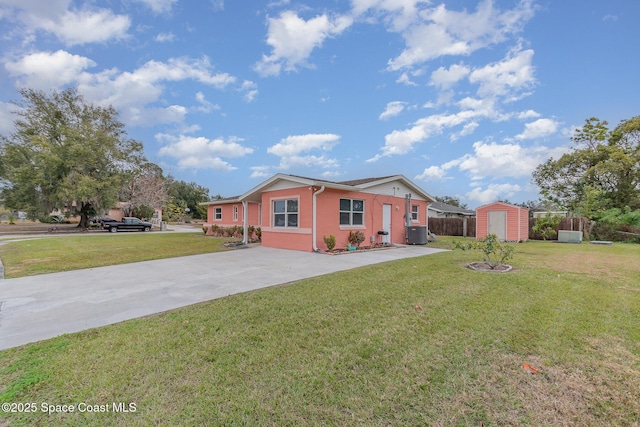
(201, 152)
(493, 192)
(293, 150)
(165, 37)
(292, 39)
(44, 70)
(509, 77)
(538, 129)
(444, 78)
(393, 109)
(436, 31)
(72, 26)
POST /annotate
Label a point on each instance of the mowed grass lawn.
(420, 341)
(64, 253)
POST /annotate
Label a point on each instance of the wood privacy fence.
(466, 227)
(453, 226)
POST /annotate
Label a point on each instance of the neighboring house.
(442, 210)
(542, 214)
(508, 222)
(295, 212)
(118, 213)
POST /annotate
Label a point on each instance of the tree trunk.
(84, 215)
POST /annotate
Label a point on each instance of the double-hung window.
(285, 213)
(351, 212)
(415, 209)
(217, 215)
(235, 213)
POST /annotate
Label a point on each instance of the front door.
(498, 224)
(386, 223)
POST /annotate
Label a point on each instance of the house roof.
(501, 203)
(445, 208)
(221, 201)
(255, 194)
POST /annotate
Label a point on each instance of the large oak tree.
(65, 153)
(600, 173)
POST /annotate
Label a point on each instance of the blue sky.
(464, 98)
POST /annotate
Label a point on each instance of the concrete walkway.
(40, 307)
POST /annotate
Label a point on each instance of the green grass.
(52, 255)
(420, 341)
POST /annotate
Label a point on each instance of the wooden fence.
(453, 226)
(466, 227)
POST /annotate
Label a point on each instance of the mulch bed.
(483, 266)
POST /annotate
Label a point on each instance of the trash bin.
(163, 226)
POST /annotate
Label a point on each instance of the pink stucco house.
(295, 212)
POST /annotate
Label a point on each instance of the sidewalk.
(40, 307)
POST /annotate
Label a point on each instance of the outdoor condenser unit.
(417, 235)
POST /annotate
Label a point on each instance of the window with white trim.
(217, 214)
(285, 213)
(351, 212)
(415, 209)
(235, 212)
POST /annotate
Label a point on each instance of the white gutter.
(245, 221)
(315, 220)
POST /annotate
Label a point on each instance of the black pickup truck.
(127, 224)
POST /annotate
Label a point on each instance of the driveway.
(40, 307)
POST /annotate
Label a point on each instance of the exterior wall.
(517, 221)
(328, 217)
(298, 238)
(227, 214)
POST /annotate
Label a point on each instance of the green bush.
(355, 238)
(330, 241)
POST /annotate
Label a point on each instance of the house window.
(235, 212)
(351, 212)
(285, 213)
(414, 212)
(217, 214)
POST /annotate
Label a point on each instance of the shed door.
(498, 224)
(386, 223)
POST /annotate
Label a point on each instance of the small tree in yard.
(495, 253)
(545, 226)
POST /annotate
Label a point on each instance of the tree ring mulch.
(483, 266)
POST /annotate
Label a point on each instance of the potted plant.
(354, 239)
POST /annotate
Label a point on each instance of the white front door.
(386, 223)
(498, 224)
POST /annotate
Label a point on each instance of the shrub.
(545, 226)
(495, 253)
(330, 241)
(355, 238)
(259, 233)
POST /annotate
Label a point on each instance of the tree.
(66, 154)
(144, 190)
(188, 196)
(601, 172)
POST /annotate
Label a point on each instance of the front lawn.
(420, 341)
(64, 253)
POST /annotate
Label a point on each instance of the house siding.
(227, 214)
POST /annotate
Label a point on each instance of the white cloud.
(205, 106)
(292, 39)
(432, 173)
(250, 90)
(45, 70)
(291, 150)
(393, 109)
(445, 78)
(159, 6)
(442, 32)
(538, 129)
(201, 152)
(7, 118)
(508, 77)
(165, 37)
(493, 192)
(529, 114)
(260, 171)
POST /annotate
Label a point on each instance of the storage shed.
(508, 222)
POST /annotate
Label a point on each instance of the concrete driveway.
(40, 307)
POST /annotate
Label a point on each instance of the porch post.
(245, 222)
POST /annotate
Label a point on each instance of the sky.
(464, 98)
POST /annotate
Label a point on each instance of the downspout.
(315, 219)
(245, 222)
(407, 216)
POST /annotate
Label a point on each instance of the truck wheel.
(147, 229)
(113, 229)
